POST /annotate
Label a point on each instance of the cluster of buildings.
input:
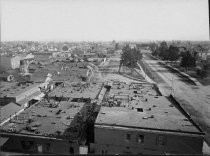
(103, 118)
(57, 124)
(76, 52)
(136, 119)
(57, 109)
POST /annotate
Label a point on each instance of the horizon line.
(103, 40)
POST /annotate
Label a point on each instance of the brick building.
(147, 124)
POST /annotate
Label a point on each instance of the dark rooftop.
(51, 119)
(62, 118)
(77, 90)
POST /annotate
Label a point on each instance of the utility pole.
(172, 82)
(145, 72)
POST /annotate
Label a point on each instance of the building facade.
(9, 62)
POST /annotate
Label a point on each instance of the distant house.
(110, 51)
(132, 46)
(78, 52)
(61, 54)
(42, 56)
(208, 56)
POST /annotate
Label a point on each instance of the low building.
(21, 93)
(78, 52)
(147, 124)
(58, 124)
(43, 57)
(9, 62)
(55, 127)
(61, 54)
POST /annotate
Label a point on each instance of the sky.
(104, 20)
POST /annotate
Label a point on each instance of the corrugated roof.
(22, 102)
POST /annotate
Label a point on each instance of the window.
(47, 146)
(128, 137)
(103, 152)
(161, 140)
(39, 148)
(26, 145)
(140, 139)
(71, 150)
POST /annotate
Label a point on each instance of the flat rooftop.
(141, 89)
(145, 109)
(69, 71)
(50, 119)
(77, 90)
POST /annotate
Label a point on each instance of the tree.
(65, 48)
(154, 49)
(163, 49)
(117, 46)
(130, 57)
(173, 53)
(188, 61)
(124, 56)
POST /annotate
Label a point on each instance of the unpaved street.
(196, 99)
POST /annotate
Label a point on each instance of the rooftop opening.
(139, 109)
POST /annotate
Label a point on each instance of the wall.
(113, 140)
(6, 100)
(15, 62)
(147, 70)
(5, 63)
(15, 143)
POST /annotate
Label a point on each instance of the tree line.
(172, 53)
(130, 57)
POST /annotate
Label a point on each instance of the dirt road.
(196, 99)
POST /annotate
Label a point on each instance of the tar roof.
(77, 90)
(54, 119)
(145, 109)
